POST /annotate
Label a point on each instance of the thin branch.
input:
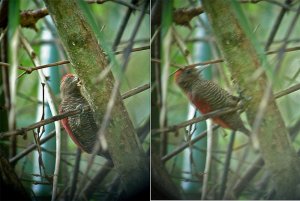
(243, 182)
(13, 82)
(75, 174)
(29, 70)
(227, 165)
(183, 16)
(137, 49)
(122, 27)
(135, 91)
(276, 25)
(50, 100)
(207, 168)
(30, 17)
(185, 145)
(277, 3)
(166, 47)
(263, 105)
(291, 49)
(3, 34)
(92, 184)
(124, 3)
(22, 131)
(222, 60)
(289, 90)
(195, 120)
(31, 148)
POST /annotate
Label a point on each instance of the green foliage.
(167, 10)
(13, 21)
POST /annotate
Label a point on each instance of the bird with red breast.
(82, 127)
(207, 96)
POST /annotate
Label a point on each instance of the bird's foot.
(243, 103)
(80, 107)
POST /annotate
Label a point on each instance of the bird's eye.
(188, 72)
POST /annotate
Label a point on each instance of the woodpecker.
(207, 96)
(82, 127)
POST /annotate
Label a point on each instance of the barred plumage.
(208, 96)
(82, 127)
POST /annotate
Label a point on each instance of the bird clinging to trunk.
(82, 127)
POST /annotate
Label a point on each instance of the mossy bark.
(88, 60)
(239, 53)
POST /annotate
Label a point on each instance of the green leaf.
(13, 17)
(166, 17)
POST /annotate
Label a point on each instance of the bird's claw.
(79, 83)
(243, 101)
(80, 107)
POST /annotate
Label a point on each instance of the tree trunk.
(88, 60)
(239, 53)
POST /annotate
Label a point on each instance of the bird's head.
(186, 76)
(70, 85)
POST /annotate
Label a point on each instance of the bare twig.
(75, 174)
(50, 100)
(121, 2)
(122, 27)
(31, 147)
(137, 49)
(22, 131)
(268, 91)
(207, 168)
(222, 60)
(166, 45)
(276, 25)
(289, 90)
(29, 18)
(29, 70)
(243, 182)
(291, 49)
(185, 145)
(183, 16)
(277, 3)
(226, 166)
(194, 120)
(92, 184)
(3, 34)
(135, 91)
(13, 88)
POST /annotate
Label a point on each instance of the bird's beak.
(201, 68)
